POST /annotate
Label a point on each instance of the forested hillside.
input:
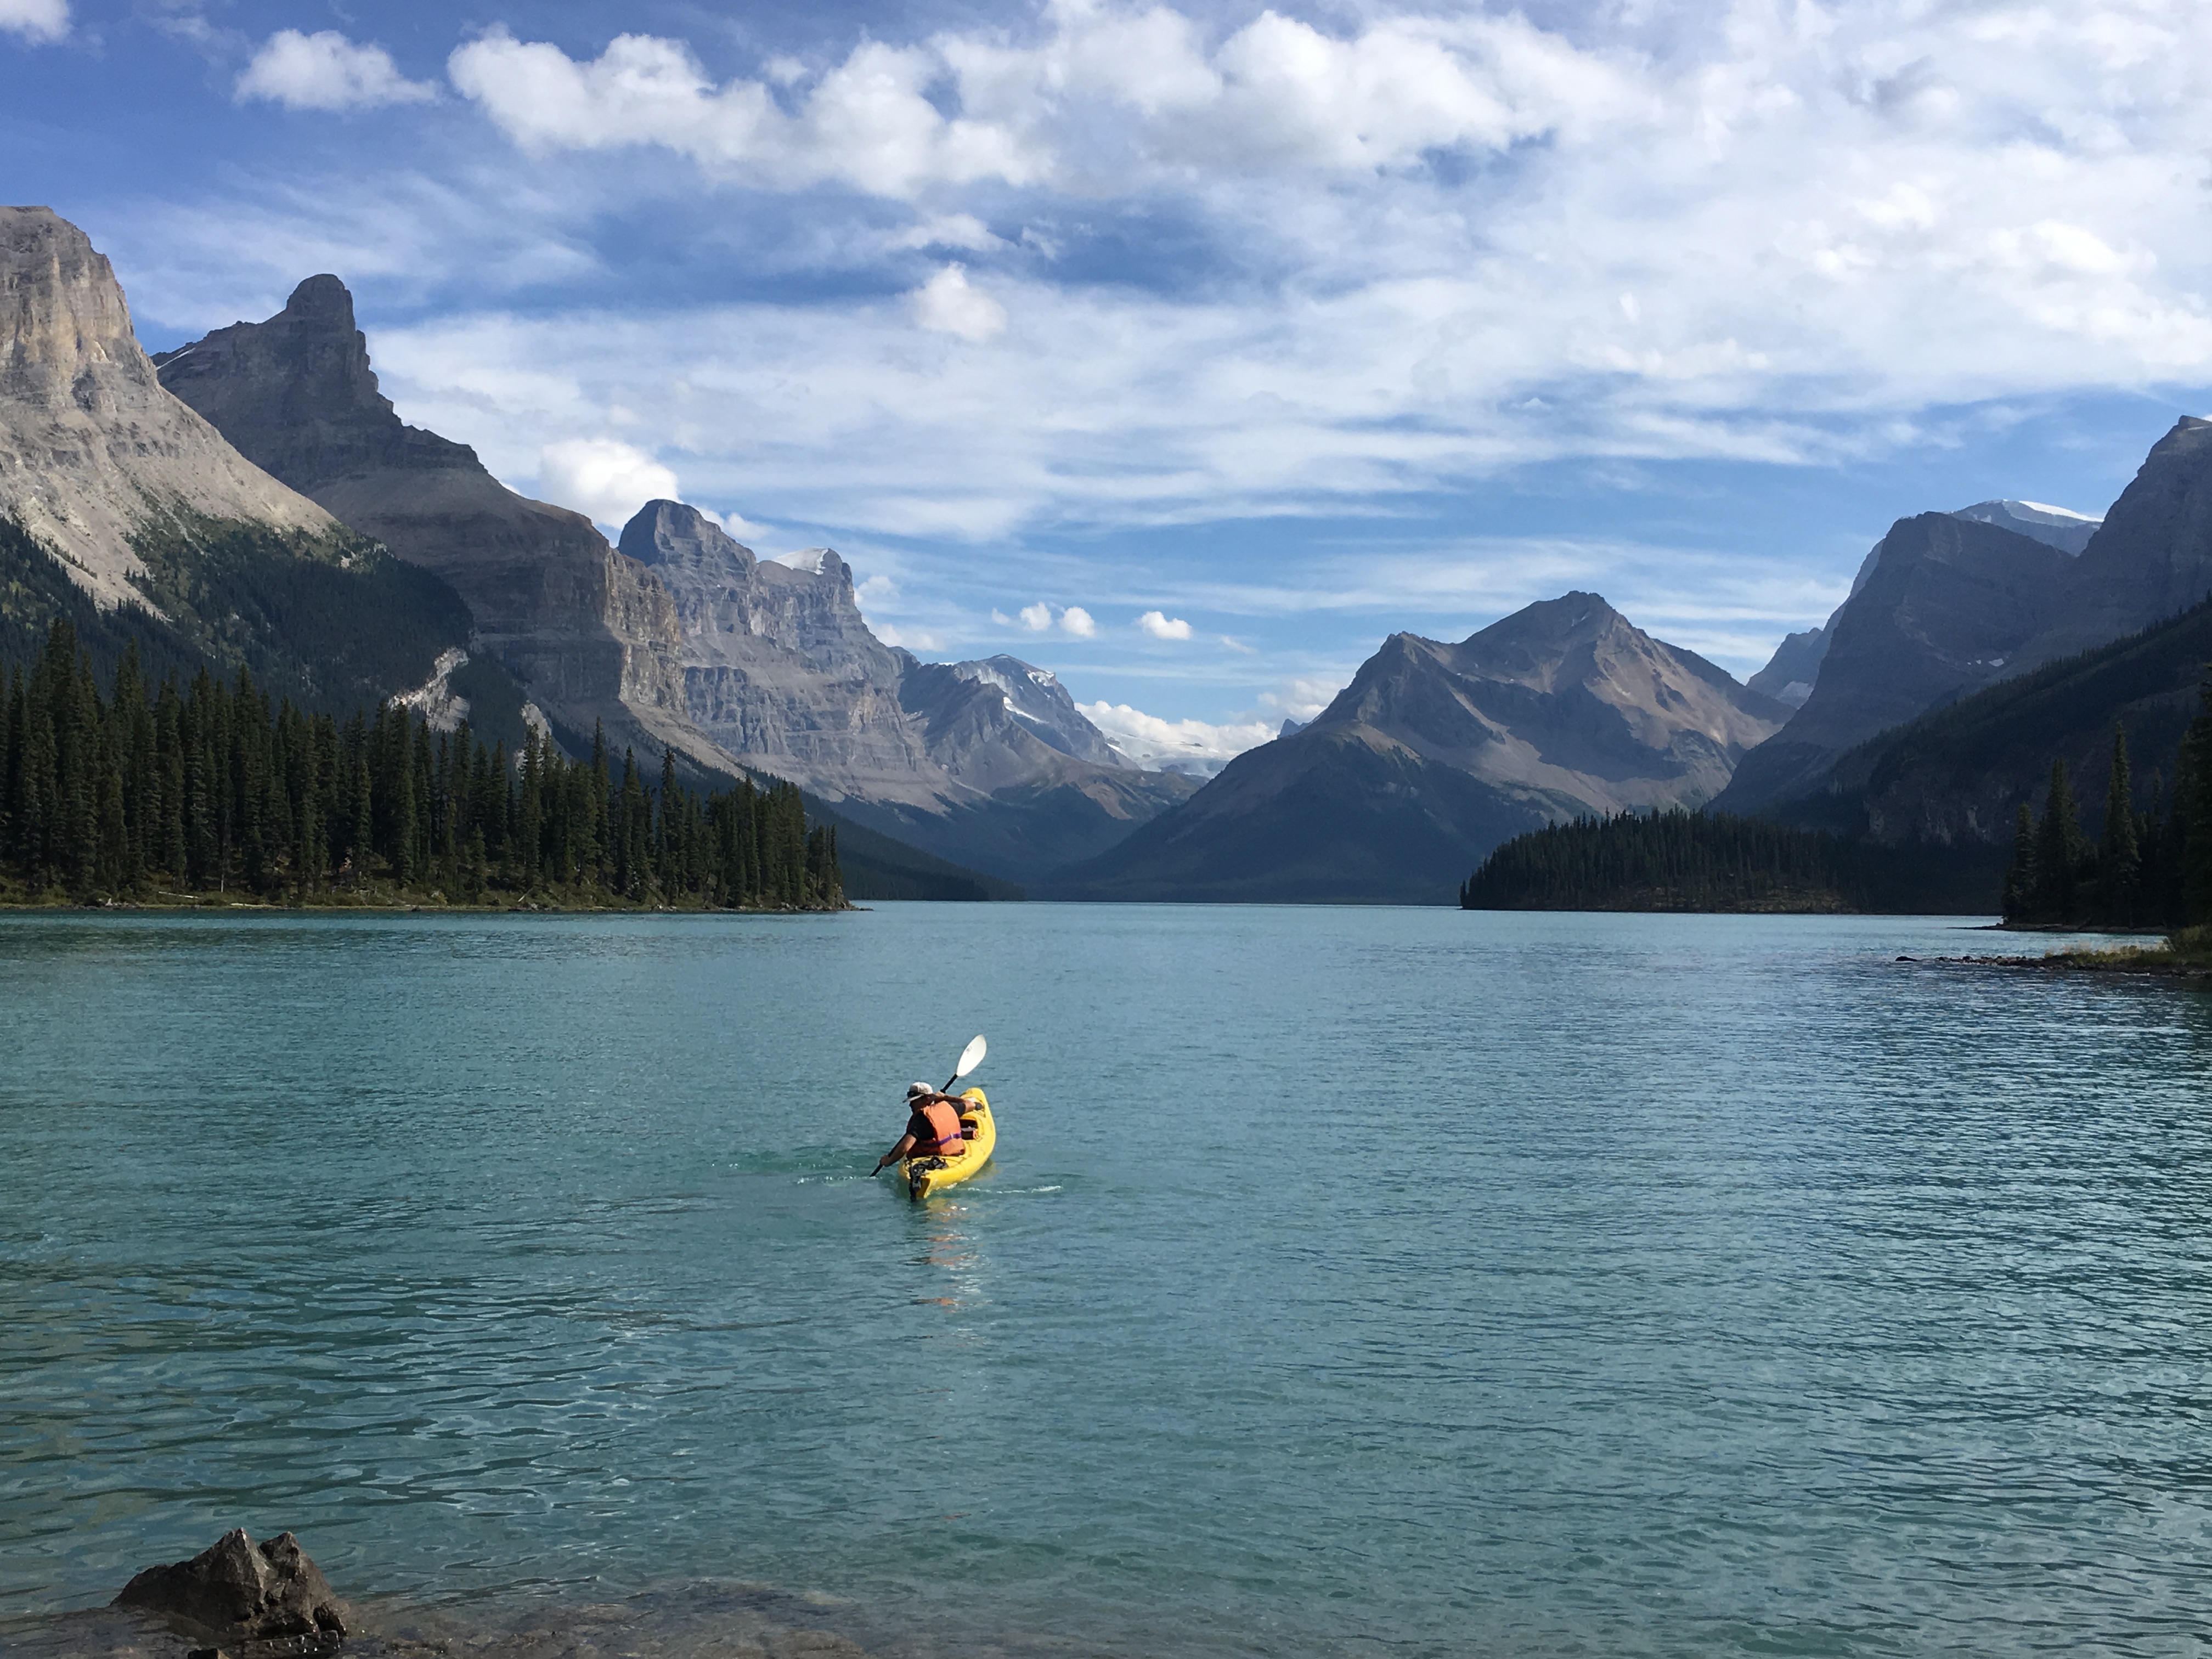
(213, 787)
(1691, 861)
(332, 622)
(2150, 868)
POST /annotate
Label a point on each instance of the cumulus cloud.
(1038, 617)
(38, 21)
(868, 123)
(325, 71)
(947, 305)
(1302, 698)
(1277, 95)
(1165, 745)
(913, 639)
(1161, 626)
(1749, 232)
(603, 478)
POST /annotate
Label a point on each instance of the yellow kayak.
(925, 1175)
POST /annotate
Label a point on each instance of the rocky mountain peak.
(666, 534)
(1035, 697)
(729, 598)
(297, 395)
(2150, 559)
(89, 438)
(65, 333)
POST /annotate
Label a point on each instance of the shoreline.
(431, 903)
(2130, 961)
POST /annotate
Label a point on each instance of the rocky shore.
(240, 1600)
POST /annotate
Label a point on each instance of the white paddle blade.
(970, 1057)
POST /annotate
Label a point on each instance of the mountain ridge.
(592, 635)
(1435, 753)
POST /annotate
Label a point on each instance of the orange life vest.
(943, 1123)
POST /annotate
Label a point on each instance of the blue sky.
(1189, 349)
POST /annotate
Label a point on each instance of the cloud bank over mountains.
(1121, 269)
(1433, 244)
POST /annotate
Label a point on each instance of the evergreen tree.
(217, 787)
(2119, 860)
(2019, 887)
(2192, 800)
(2060, 853)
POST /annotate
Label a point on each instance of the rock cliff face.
(1435, 753)
(593, 636)
(987, 764)
(779, 668)
(1945, 610)
(2149, 560)
(1796, 668)
(92, 449)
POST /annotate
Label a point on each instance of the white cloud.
(961, 230)
(1186, 745)
(325, 71)
(734, 524)
(1823, 250)
(603, 478)
(1161, 626)
(947, 305)
(38, 21)
(1077, 621)
(1037, 618)
(913, 639)
(869, 123)
(1276, 96)
(1301, 699)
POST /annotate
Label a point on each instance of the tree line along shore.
(2151, 868)
(184, 792)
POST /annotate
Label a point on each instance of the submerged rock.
(241, 1591)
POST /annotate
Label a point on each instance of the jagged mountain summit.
(92, 449)
(2150, 559)
(2054, 526)
(125, 513)
(1938, 616)
(1435, 753)
(1794, 668)
(1945, 608)
(779, 667)
(592, 635)
(989, 763)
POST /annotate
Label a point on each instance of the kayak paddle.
(970, 1057)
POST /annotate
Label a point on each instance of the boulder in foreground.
(239, 1590)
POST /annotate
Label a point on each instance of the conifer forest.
(2152, 867)
(163, 793)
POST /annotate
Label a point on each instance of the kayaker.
(933, 1127)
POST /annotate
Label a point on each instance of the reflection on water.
(1454, 1285)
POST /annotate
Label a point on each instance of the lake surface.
(1349, 1282)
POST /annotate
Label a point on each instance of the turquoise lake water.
(1349, 1282)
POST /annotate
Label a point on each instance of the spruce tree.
(2192, 800)
(2119, 860)
(2059, 844)
(2020, 888)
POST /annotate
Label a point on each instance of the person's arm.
(905, 1146)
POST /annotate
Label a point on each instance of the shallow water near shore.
(1348, 1281)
